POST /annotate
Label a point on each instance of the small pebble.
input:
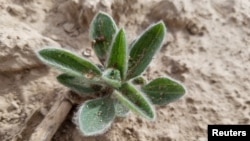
(87, 52)
(68, 27)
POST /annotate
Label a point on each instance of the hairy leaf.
(163, 90)
(118, 55)
(144, 48)
(77, 84)
(96, 115)
(69, 62)
(112, 77)
(135, 101)
(102, 30)
(120, 109)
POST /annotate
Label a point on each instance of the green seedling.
(116, 87)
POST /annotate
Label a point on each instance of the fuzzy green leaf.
(102, 30)
(120, 109)
(118, 55)
(163, 90)
(112, 77)
(135, 101)
(69, 62)
(96, 115)
(144, 48)
(77, 84)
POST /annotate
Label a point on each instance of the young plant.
(117, 86)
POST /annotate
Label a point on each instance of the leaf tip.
(162, 25)
(40, 53)
(151, 116)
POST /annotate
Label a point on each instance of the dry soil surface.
(206, 48)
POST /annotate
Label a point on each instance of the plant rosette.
(116, 87)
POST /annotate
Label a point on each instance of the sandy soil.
(206, 48)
